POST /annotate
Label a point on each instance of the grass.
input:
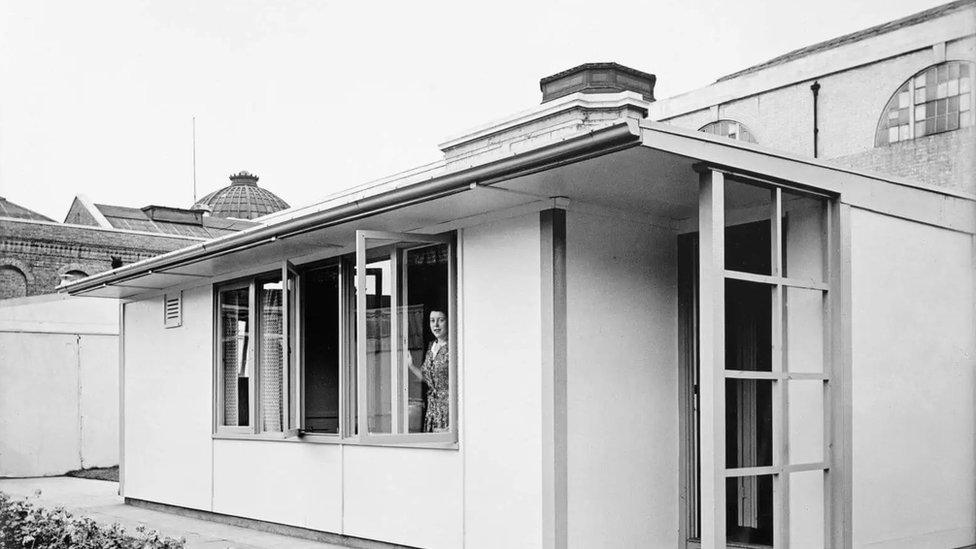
(97, 473)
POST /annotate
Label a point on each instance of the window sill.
(315, 438)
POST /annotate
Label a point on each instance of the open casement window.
(258, 383)
(757, 420)
(405, 337)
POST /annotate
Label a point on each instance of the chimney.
(244, 178)
(575, 102)
(597, 78)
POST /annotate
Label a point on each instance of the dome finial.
(244, 177)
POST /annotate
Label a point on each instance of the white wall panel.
(501, 397)
(289, 483)
(408, 496)
(622, 384)
(168, 402)
(38, 404)
(914, 358)
(99, 393)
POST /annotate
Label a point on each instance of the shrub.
(26, 525)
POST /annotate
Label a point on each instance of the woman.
(436, 374)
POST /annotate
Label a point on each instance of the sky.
(98, 97)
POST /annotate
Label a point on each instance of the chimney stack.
(597, 78)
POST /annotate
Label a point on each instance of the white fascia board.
(952, 26)
(884, 194)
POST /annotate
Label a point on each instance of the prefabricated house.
(655, 337)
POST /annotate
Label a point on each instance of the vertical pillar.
(554, 432)
(711, 261)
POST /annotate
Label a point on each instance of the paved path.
(98, 499)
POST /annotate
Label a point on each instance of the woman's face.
(438, 324)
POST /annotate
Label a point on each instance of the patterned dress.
(435, 370)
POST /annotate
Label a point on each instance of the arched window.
(13, 283)
(937, 99)
(730, 129)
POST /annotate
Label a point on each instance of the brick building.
(38, 253)
(895, 99)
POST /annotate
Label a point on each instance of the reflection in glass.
(749, 510)
(378, 372)
(424, 338)
(807, 509)
(748, 324)
(748, 423)
(806, 421)
(271, 353)
(235, 356)
(747, 232)
(803, 327)
(804, 237)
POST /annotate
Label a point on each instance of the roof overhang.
(644, 170)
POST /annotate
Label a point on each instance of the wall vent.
(173, 310)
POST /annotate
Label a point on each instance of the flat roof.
(524, 178)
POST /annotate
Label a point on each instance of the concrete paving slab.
(99, 500)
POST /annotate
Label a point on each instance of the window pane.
(747, 235)
(321, 297)
(748, 325)
(806, 421)
(749, 510)
(807, 510)
(803, 326)
(748, 423)
(425, 338)
(379, 380)
(271, 352)
(804, 237)
(235, 356)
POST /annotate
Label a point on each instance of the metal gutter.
(596, 143)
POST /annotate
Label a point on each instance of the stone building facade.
(35, 256)
(830, 100)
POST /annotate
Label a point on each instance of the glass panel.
(748, 423)
(271, 353)
(321, 297)
(803, 327)
(919, 129)
(747, 238)
(920, 95)
(379, 380)
(748, 326)
(235, 356)
(893, 134)
(424, 339)
(806, 421)
(903, 100)
(807, 510)
(749, 510)
(294, 413)
(804, 237)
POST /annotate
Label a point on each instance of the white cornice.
(591, 101)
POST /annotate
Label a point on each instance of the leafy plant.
(23, 524)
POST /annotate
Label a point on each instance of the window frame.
(396, 404)
(352, 389)
(290, 356)
(707, 328)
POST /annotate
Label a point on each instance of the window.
(255, 338)
(756, 472)
(404, 307)
(937, 99)
(333, 355)
(730, 129)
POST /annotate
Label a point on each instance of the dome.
(242, 199)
